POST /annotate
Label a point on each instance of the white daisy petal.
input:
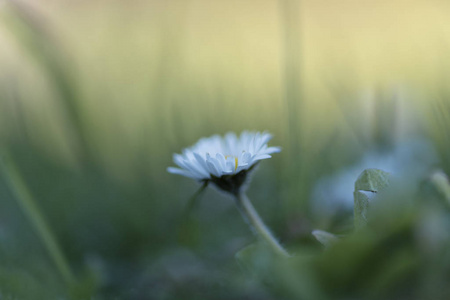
(202, 162)
(261, 156)
(180, 172)
(221, 160)
(245, 157)
(272, 150)
(187, 164)
(194, 168)
(263, 140)
(231, 164)
(213, 168)
(242, 167)
(231, 142)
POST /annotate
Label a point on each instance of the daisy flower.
(225, 161)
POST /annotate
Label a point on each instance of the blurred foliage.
(402, 253)
(95, 96)
(370, 182)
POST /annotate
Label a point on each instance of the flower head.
(224, 161)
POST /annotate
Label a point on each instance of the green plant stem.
(193, 200)
(251, 215)
(185, 232)
(31, 210)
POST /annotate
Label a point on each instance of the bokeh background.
(96, 96)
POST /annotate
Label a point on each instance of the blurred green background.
(96, 96)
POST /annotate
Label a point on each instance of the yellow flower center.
(235, 161)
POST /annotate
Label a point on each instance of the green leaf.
(325, 238)
(293, 277)
(256, 258)
(440, 181)
(361, 206)
(372, 181)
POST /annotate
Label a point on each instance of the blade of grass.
(30, 208)
(41, 44)
(293, 98)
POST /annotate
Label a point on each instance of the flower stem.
(193, 200)
(31, 210)
(251, 215)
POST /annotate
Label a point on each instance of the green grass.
(95, 98)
